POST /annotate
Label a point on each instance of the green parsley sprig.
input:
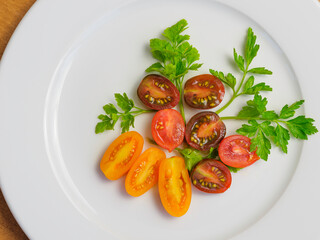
(246, 85)
(130, 111)
(192, 157)
(175, 55)
(266, 126)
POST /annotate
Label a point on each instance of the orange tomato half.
(144, 173)
(174, 186)
(121, 155)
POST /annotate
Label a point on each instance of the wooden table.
(11, 13)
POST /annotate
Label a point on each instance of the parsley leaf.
(251, 48)
(254, 108)
(282, 137)
(230, 80)
(192, 157)
(112, 115)
(127, 122)
(289, 111)
(260, 70)
(261, 144)
(300, 127)
(238, 59)
(124, 102)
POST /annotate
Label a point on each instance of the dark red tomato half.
(203, 91)
(157, 92)
(234, 151)
(168, 129)
(205, 130)
(211, 176)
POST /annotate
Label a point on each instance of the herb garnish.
(243, 63)
(176, 57)
(264, 125)
(109, 120)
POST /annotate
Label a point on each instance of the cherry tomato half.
(144, 173)
(234, 151)
(168, 129)
(204, 91)
(211, 176)
(158, 93)
(174, 186)
(121, 154)
(205, 130)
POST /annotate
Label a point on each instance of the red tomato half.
(168, 129)
(234, 151)
(158, 93)
(211, 176)
(205, 130)
(203, 91)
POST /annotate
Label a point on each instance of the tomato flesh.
(121, 154)
(211, 176)
(157, 92)
(144, 173)
(204, 91)
(168, 129)
(174, 186)
(234, 151)
(205, 130)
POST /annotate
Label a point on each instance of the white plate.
(66, 60)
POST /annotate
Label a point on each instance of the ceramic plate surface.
(67, 59)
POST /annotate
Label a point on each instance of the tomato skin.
(168, 128)
(174, 186)
(234, 151)
(121, 154)
(157, 92)
(144, 173)
(205, 130)
(204, 91)
(211, 176)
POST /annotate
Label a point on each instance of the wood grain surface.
(11, 13)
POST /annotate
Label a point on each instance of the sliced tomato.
(121, 154)
(144, 173)
(211, 176)
(168, 129)
(157, 92)
(174, 186)
(234, 151)
(205, 130)
(204, 91)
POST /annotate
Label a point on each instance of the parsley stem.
(227, 104)
(235, 92)
(138, 112)
(179, 83)
(251, 118)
